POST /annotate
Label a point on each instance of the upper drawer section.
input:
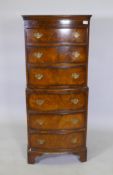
(57, 76)
(67, 35)
(60, 54)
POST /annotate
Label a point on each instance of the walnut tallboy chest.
(57, 92)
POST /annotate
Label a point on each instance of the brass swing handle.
(74, 141)
(75, 75)
(74, 120)
(76, 35)
(39, 122)
(40, 102)
(75, 54)
(75, 101)
(38, 55)
(40, 142)
(39, 76)
(38, 35)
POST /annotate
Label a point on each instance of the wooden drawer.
(55, 141)
(78, 35)
(57, 76)
(62, 54)
(57, 121)
(58, 101)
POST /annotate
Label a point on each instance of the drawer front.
(48, 102)
(57, 76)
(56, 140)
(60, 54)
(78, 35)
(57, 122)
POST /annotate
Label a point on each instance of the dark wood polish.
(56, 35)
(57, 76)
(59, 54)
(57, 93)
(56, 141)
(53, 102)
(57, 121)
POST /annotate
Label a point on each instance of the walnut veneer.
(57, 92)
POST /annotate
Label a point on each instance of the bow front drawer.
(38, 36)
(60, 54)
(55, 141)
(57, 76)
(57, 121)
(58, 101)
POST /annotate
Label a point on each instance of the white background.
(13, 83)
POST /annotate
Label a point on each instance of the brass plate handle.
(38, 55)
(74, 140)
(38, 35)
(38, 76)
(76, 34)
(40, 122)
(40, 142)
(75, 75)
(74, 120)
(40, 102)
(75, 101)
(76, 54)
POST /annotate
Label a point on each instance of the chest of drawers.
(57, 92)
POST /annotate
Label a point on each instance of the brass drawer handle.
(40, 142)
(75, 75)
(39, 76)
(38, 55)
(75, 101)
(39, 122)
(76, 54)
(40, 102)
(74, 141)
(74, 120)
(38, 35)
(76, 34)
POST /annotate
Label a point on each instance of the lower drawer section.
(56, 100)
(57, 121)
(49, 141)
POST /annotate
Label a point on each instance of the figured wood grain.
(57, 101)
(61, 54)
(57, 76)
(57, 140)
(57, 122)
(56, 35)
